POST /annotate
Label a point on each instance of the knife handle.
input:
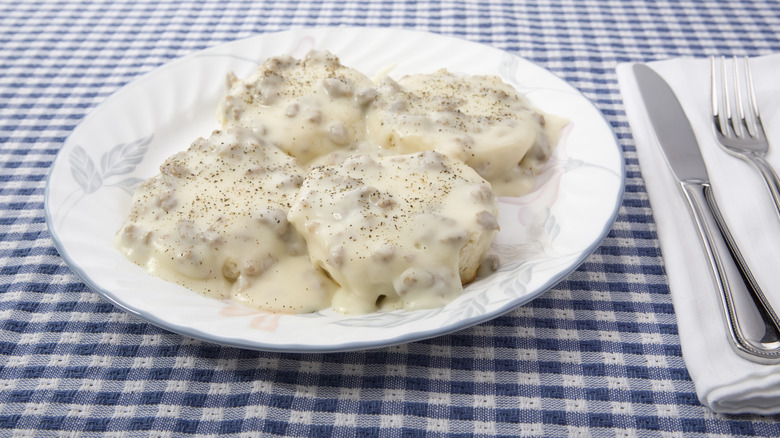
(705, 211)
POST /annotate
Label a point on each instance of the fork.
(740, 132)
(738, 125)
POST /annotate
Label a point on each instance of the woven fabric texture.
(597, 355)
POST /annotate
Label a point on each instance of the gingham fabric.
(598, 355)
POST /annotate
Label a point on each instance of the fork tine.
(739, 120)
(755, 118)
(749, 118)
(730, 127)
(729, 119)
(720, 107)
(714, 92)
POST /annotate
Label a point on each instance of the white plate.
(544, 236)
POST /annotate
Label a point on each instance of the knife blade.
(671, 125)
(678, 142)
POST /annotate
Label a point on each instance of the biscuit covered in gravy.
(215, 220)
(479, 120)
(308, 108)
(402, 231)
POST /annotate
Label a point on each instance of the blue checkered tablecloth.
(598, 355)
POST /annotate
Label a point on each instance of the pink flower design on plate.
(265, 321)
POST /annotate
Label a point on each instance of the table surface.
(71, 362)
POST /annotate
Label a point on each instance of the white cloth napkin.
(724, 381)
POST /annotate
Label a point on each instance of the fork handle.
(770, 177)
(715, 234)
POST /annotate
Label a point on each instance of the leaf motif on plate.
(84, 171)
(387, 319)
(128, 184)
(552, 227)
(120, 159)
(517, 284)
(470, 308)
(123, 157)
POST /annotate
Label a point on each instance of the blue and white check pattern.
(598, 355)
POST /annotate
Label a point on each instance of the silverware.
(737, 120)
(676, 137)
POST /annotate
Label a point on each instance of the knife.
(678, 142)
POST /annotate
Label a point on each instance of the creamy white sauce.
(326, 190)
(401, 231)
